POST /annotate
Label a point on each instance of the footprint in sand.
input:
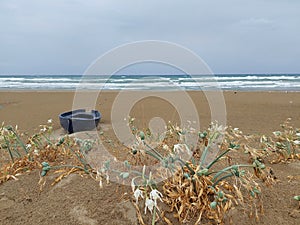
(81, 214)
(5, 202)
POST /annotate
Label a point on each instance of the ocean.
(237, 82)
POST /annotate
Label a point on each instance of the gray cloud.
(65, 36)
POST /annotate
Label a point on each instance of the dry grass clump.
(39, 151)
(208, 183)
(196, 199)
(284, 145)
(13, 170)
(207, 195)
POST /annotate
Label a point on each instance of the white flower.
(216, 128)
(181, 148)
(107, 178)
(297, 142)
(298, 134)
(165, 147)
(49, 121)
(99, 178)
(28, 146)
(149, 204)
(43, 129)
(177, 148)
(138, 193)
(155, 194)
(36, 151)
(100, 183)
(132, 185)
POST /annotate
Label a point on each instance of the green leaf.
(234, 146)
(61, 141)
(43, 173)
(202, 135)
(297, 197)
(224, 200)
(202, 172)
(259, 164)
(186, 175)
(46, 168)
(127, 164)
(256, 191)
(142, 135)
(220, 194)
(9, 128)
(107, 164)
(134, 151)
(213, 205)
(44, 164)
(277, 133)
(124, 175)
(242, 173)
(235, 167)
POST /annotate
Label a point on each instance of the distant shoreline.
(104, 90)
(235, 82)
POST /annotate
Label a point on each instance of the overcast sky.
(231, 36)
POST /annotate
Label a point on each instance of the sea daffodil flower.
(149, 204)
(297, 142)
(155, 194)
(137, 194)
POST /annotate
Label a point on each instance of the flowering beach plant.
(197, 183)
(203, 186)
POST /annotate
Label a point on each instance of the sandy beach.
(79, 200)
(252, 112)
(199, 104)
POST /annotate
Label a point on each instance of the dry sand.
(252, 112)
(78, 200)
